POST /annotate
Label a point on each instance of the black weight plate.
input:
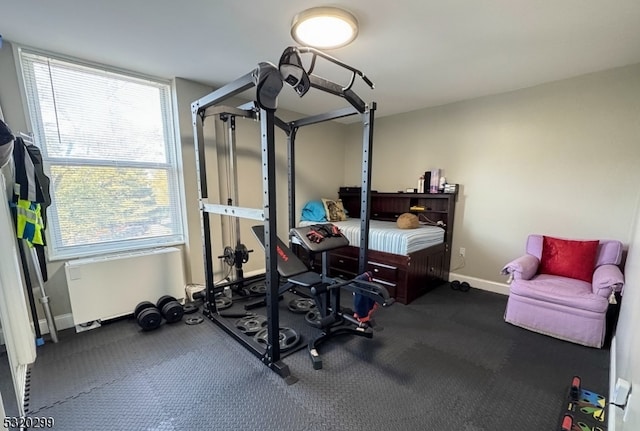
(258, 289)
(464, 286)
(172, 311)
(250, 325)
(190, 308)
(301, 305)
(455, 285)
(149, 319)
(142, 306)
(313, 318)
(163, 301)
(287, 338)
(194, 320)
(223, 303)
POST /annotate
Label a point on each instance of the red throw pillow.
(567, 258)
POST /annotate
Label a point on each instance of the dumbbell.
(457, 285)
(170, 308)
(147, 315)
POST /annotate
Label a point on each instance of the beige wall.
(558, 159)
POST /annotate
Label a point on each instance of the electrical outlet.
(463, 251)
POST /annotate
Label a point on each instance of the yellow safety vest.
(29, 222)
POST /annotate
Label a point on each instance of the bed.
(408, 262)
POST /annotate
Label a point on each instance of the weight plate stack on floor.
(190, 307)
(313, 318)
(170, 308)
(250, 325)
(194, 320)
(287, 338)
(147, 315)
(223, 303)
(258, 288)
(301, 305)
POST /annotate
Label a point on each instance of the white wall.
(627, 353)
(557, 159)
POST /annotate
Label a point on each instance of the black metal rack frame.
(263, 109)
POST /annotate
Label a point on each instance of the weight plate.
(229, 256)
(164, 300)
(464, 286)
(250, 325)
(223, 303)
(194, 320)
(172, 311)
(149, 319)
(258, 288)
(455, 285)
(301, 305)
(313, 318)
(142, 306)
(287, 338)
(190, 308)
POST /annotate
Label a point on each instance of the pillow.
(334, 210)
(567, 258)
(313, 211)
(408, 221)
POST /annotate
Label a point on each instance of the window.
(108, 147)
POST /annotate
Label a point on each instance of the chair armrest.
(607, 278)
(523, 268)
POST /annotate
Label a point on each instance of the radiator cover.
(106, 287)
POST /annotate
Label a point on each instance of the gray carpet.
(445, 362)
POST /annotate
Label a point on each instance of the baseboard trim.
(479, 283)
(63, 321)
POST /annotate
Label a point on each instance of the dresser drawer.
(343, 263)
(388, 273)
(341, 274)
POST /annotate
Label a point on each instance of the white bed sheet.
(385, 236)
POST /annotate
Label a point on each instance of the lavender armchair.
(561, 307)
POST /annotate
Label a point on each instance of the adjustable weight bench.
(324, 290)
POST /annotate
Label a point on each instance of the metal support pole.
(365, 202)
(270, 234)
(29, 286)
(205, 232)
(44, 299)
(291, 176)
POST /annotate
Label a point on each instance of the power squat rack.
(268, 80)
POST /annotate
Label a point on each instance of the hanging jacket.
(31, 183)
(31, 197)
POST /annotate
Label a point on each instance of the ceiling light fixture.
(324, 27)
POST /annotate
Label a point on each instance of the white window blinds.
(109, 149)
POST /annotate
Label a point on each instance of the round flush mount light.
(324, 27)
